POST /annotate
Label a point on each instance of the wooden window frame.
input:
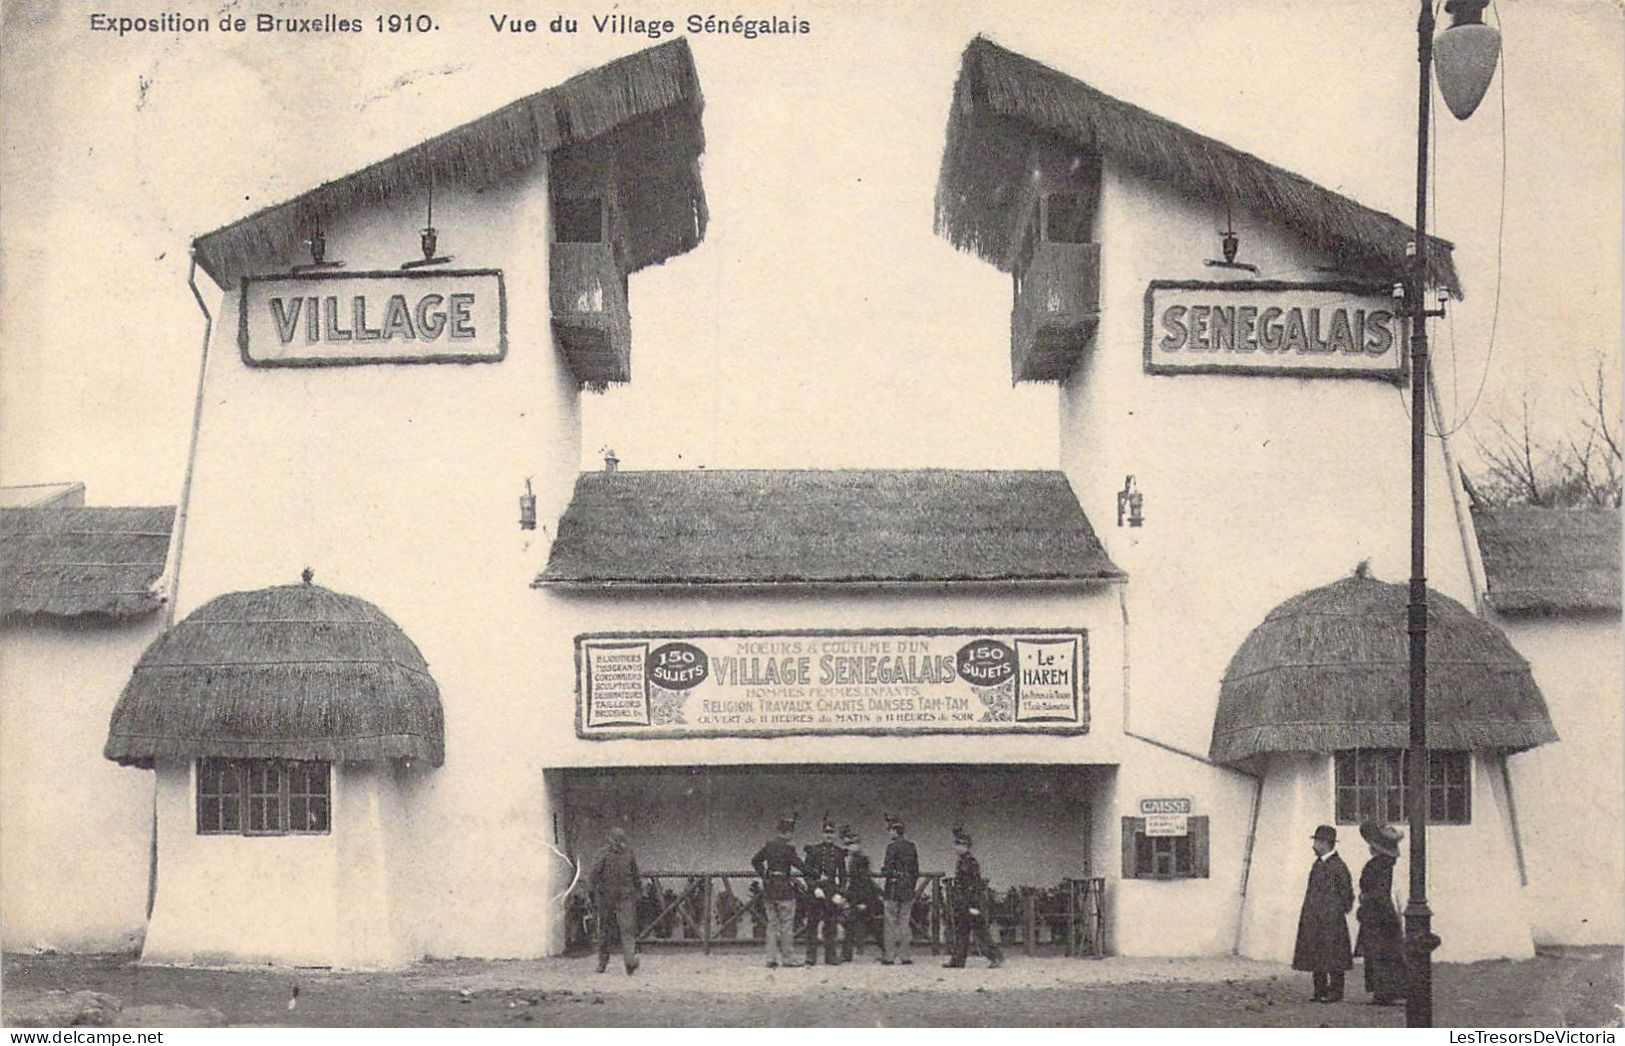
(253, 787)
(1197, 837)
(1450, 777)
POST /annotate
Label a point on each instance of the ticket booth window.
(1147, 856)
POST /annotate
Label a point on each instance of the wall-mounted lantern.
(1130, 503)
(527, 508)
(318, 254)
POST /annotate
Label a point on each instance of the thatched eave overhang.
(644, 109)
(1006, 105)
(94, 563)
(1550, 562)
(291, 672)
(1329, 669)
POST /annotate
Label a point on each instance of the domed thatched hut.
(1316, 700)
(283, 724)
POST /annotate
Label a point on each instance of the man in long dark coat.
(969, 897)
(614, 885)
(1381, 942)
(863, 909)
(1323, 930)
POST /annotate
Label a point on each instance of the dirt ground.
(1573, 987)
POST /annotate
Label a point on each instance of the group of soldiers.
(834, 883)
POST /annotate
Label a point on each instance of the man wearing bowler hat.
(1322, 947)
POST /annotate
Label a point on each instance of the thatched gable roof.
(1329, 669)
(644, 108)
(69, 562)
(292, 672)
(868, 526)
(1550, 560)
(1005, 103)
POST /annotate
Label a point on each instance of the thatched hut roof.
(72, 562)
(644, 109)
(1005, 103)
(291, 672)
(1550, 560)
(861, 526)
(1330, 669)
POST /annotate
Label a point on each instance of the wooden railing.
(707, 909)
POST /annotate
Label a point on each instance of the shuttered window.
(263, 797)
(1165, 856)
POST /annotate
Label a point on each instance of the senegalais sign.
(336, 318)
(1268, 327)
(661, 684)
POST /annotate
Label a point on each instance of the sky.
(811, 312)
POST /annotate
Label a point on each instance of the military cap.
(961, 837)
(848, 834)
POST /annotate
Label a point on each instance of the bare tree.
(1580, 467)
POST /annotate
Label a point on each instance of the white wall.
(75, 829)
(1478, 905)
(1256, 488)
(304, 900)
(401, 485)
(1568, 795)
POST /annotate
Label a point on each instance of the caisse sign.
(325, 319)
(769, 683)
(1166, 816)
(1268, 327)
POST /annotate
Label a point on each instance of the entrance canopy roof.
(1006, 104)
(1329, 669)
(858, 526)
(291, 672)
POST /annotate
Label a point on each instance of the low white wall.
(1177, 916)
(1473, 889)
(1570, 796)
(300, 900)
(75, 829)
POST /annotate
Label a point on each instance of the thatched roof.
(1330, 669)
(869, 526)
(69, 562)
(644, 109)
(292, 672)
(1005, 103)
(1550, 560)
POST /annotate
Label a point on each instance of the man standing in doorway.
(1322, 947)
(826, 881)
(901, 867)
(614, 886)
(776, 864)
(970, 901)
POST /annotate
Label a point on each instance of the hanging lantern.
(1464, 56)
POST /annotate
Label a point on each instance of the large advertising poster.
(664, 684)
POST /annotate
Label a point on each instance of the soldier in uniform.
(862, 896)
(826, 882)
(776, 864)
(968, 898)
(901, 867)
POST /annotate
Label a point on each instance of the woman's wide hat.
(1384, 838)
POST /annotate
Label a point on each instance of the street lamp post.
(1466, 54)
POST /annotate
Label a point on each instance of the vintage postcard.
(902, 514)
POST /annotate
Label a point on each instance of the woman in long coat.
(1381, 942)
(1322, 947)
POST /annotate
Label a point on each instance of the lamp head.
(1464, 56)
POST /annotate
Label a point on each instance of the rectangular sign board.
(1305, 330)
(1166, 816)
(752, 684)
(325, 319)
